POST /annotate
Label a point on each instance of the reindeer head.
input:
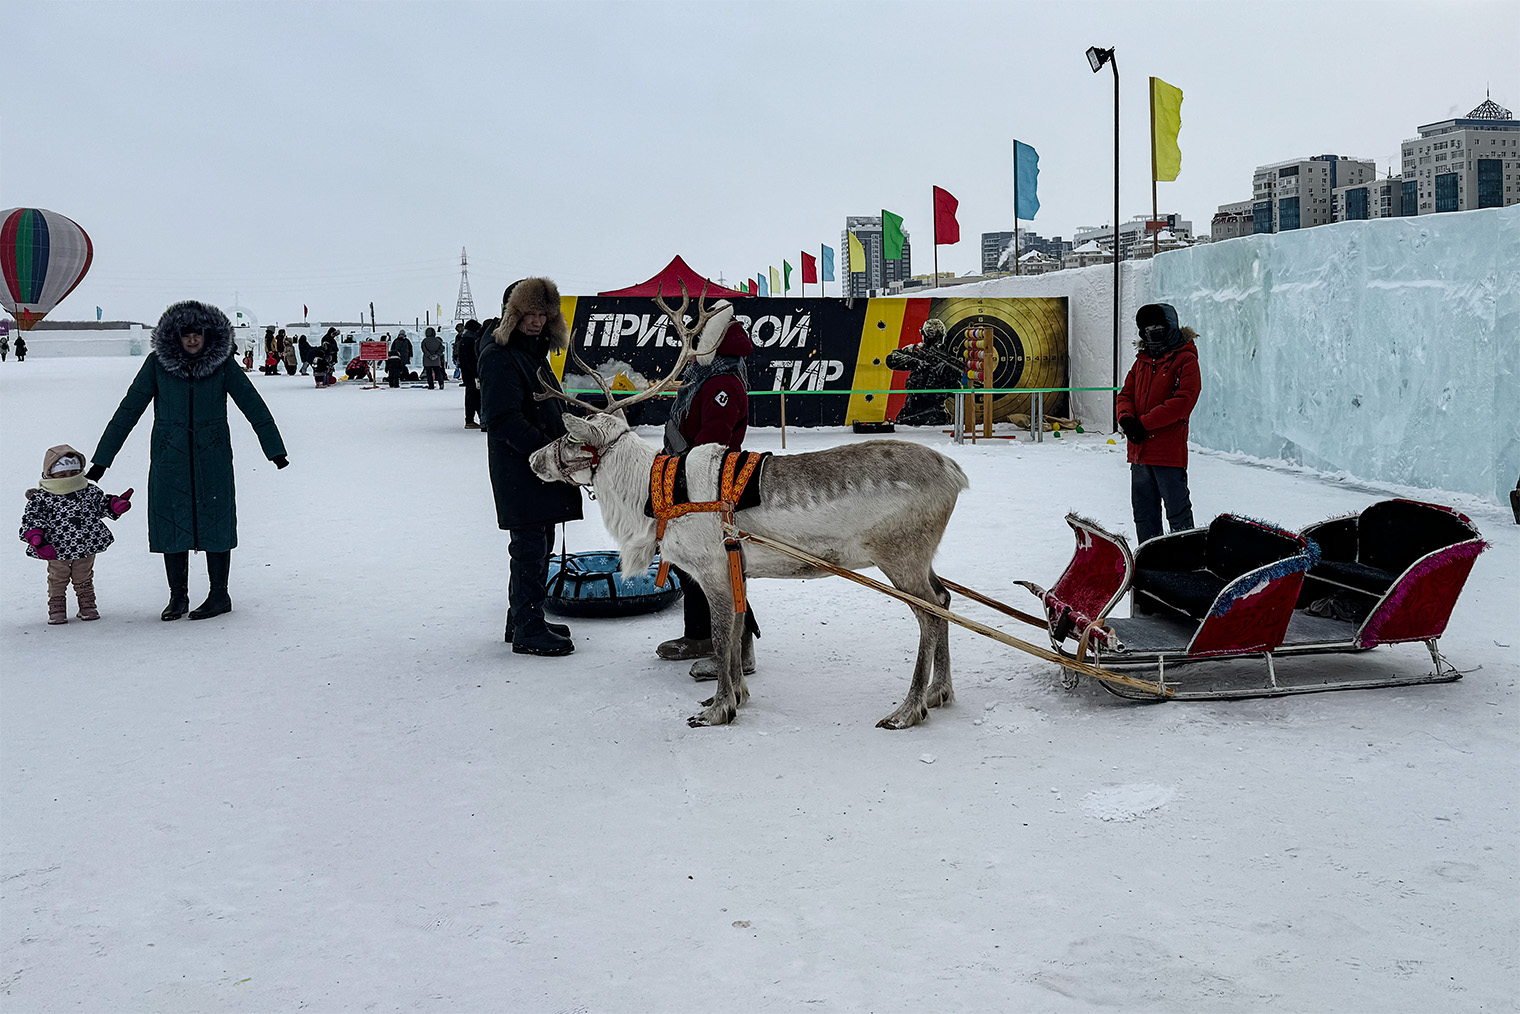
(574, 456)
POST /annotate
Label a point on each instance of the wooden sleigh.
(1243, 588)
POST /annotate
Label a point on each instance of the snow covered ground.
(349, 794)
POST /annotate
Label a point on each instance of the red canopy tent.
(669, 282)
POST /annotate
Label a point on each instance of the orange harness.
(662, 493)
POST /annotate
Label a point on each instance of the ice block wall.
(1387, 349)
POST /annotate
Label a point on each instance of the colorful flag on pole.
(1026, 170)
(760, 280)
(786, 276)
(750, 286)
(828, 263)
(303, 311)
(1166, 124)
(775, 280)
(892, 235)
(99, 312)
(857, 255)
(946, 229)
(809, 268)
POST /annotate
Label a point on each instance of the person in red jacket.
(711, 407)
(1158, 396)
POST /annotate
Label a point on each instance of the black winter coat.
(468, 352)
(516, 425)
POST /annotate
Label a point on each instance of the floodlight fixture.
(1096, 57)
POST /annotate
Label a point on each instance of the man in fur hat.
(711, 407)
(512, 369)
(1158, 397)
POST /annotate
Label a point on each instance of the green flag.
(786, 276)
(892, 234)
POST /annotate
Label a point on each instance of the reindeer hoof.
(714, 715)
(940, 696)
(903, 718)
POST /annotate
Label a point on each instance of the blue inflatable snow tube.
(591, 584)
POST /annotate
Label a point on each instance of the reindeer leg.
(916, 578)
(940, 691)
(721, 708)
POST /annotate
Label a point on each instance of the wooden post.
(783, 420)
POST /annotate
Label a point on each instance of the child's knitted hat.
(61, 460)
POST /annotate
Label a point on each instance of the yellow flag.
(1166, 124)
(857, 254)
(775, 281)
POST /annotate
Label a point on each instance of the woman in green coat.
(191, 503)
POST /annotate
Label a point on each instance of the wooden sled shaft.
(1082, 668)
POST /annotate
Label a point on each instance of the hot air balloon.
(43, 256)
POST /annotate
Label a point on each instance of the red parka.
(1161, 391)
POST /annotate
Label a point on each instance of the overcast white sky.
(334, 154)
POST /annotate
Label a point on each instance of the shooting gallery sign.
(817, 346)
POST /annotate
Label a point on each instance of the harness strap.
(731, 486)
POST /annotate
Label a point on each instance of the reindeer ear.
(713, 332)
(578, 428)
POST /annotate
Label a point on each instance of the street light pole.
(1096, 58)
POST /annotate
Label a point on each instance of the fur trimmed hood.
(185, 317)
(533, 295)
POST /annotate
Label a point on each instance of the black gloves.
(95, 472)
(280, 461)
(1132, 428)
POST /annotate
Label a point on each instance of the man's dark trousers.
(1152, 485)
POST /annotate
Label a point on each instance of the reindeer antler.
(687, 334)
(551, 391)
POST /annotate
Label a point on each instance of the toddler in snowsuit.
(61, 524)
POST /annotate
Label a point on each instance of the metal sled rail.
(1151, 689)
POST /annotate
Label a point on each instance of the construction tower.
(464, 306)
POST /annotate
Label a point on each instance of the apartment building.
(1467, 162)
(1298, 194)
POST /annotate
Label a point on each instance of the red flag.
(304, 311)
(946, 229)
(809, 268)
(751, 286)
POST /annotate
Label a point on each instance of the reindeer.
(882, 503)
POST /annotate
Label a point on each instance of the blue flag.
(1026, 163)
(828, 264)
(765, 290)
(97, 313)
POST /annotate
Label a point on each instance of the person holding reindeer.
(513, 368)
(711, 407)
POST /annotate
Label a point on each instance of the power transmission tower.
(464, 306)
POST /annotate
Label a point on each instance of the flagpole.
(1015, 206)
(935, 210)
(1155, 211)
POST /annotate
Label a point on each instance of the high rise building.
(1296, 194)
(867, 229)
(1231, 220)
(1374, 199)
(1471, 161)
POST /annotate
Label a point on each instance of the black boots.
(544, 643)
(177, 568)
(218, 602)
(554, 628)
